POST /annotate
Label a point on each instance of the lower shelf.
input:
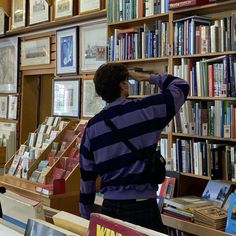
(191, 228)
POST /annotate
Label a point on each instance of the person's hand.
(139, 76)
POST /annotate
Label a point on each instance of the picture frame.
(9, 74)
(64, 8)
(86, 6)
(18, 13)
(4, 22)
(91, 102)
(38, 11)
(67, 48)
(35, 52)
(66, 97)
(12, 106)
(93, 49)
(3, 107)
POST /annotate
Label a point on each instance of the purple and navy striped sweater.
(141, 122)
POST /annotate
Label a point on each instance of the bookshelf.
(120, 31)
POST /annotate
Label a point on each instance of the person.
(141, 121)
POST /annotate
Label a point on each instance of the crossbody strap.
(118, 134)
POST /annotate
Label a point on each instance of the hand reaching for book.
(139, 76)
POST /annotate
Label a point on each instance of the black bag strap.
(118, 134)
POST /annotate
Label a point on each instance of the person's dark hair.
(107, 80)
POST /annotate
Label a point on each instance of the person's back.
(102, 152)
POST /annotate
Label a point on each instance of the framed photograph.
(93, 41)
(12, 106)
(8, 74)
(64, 8)
(67, 62)
(18, 13)
(38, 11)
(91, 102)
(86, 6)
(66, 100)
(3, 107)
(4, 22)
(35, 52)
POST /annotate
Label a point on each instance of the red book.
(211, 80)
(187, 3)
(104, 225)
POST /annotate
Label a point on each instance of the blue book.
(231, 215)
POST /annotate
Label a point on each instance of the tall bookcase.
(131, 42)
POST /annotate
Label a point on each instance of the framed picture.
(18, 13)
(67, 62)
(3, 107)
(8, 74)
(39, 11)
(12, 106)
(66, 98)
(91, 102)
(4, 22)
(35, 52)
(93, 41)
(64, 8)
(86, 6)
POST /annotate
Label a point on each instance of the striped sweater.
(141, 122)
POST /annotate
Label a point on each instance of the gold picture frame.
(38, 11)
(65, 8)
(90, 6)
(18, 14)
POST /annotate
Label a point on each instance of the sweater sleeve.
(88, 177)
(174, 91)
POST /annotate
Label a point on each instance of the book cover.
(231, 215)
(39, 227)
(17, 209)
(187, 202)
(217, 191)
(105, 225)
(71, 222)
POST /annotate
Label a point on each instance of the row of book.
(141, 88)
(206, 118)
(138, 42)
(121, 10)
(217, 161)
(8, 106)
(200, 34)
(213, 77)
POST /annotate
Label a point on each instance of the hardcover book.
(105, 225)
(39, 227)
(231, 215)
(71, 222)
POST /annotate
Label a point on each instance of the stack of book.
(211, 216)
(191, 208)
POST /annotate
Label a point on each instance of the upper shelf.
(207, 9)
(140, 21)
(57, 23)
